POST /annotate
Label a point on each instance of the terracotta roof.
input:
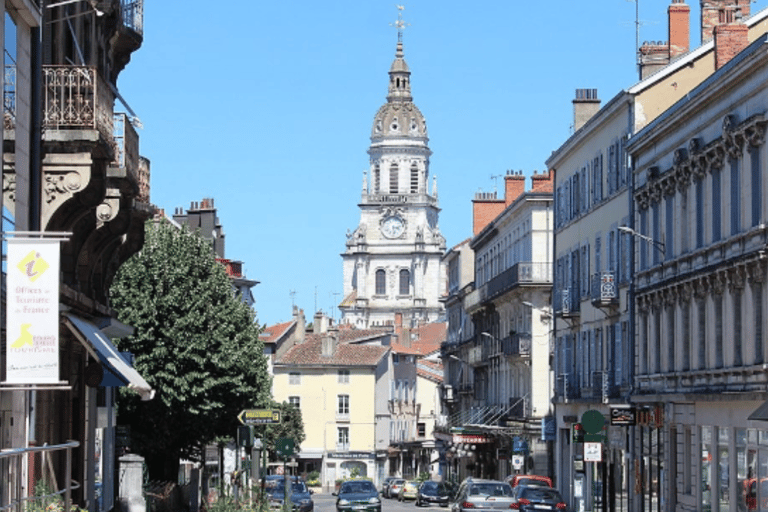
(310, 353)
(399, 348)
(272, 333)
(427, 338)
(430, 370)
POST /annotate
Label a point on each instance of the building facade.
(71, 169)
(392, 262)
(498, 381)
(700, 194)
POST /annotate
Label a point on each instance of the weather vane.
(400, 24)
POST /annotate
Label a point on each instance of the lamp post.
(655, 243)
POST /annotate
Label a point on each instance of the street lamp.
(656, 243)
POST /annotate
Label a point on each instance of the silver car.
(477, 494)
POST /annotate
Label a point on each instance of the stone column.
(131, 498)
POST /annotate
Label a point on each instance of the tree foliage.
(291, 425)
(195, 342)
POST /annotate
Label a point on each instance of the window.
(716, 206)
(343, 408)
(394, 187)
(699, 213)
(395, 358)
(422, 429)
(343, 376)
(686, 341)
(405, 282)
(414, 179)
(718, 331)
(381, 282)
(669, 223)
(737, 356)
(671, 349)
(735, 197)
(757, 199)
(343, 438)
(702, 334)
(655, 227)
(294, 378)
(376, 179)
(757, 301)
(295, 401)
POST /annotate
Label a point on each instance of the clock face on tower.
(392, 226)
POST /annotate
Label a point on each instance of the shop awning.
(99, 346)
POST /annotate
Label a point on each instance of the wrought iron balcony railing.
(519, 274)
(76, 97)
(567, 303)
(132, 13)
(517, 345)
(126, 146)
(567, 387)
(604, 289)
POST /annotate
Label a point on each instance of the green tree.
(195, 342)
(291, 425)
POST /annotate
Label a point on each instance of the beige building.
(700, 194)
(342, 382)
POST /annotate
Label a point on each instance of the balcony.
(605, 293)
(567, 387)
(77, 98)
(383, 197)
(132, 15)
(126, 147)
(517, 345)
(567, 303)
(519, 274)
(342, 447)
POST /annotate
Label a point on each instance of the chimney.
(729, 40)
(301, 327)
(679, 28)
(585, 105)
(720, 12)
(320, 323)
(514, 186)
(330, 342)
(485, 207)
(543, 182)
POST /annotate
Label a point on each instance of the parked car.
(357, 495)
(531, 480)
(385, 485)
(393, 491)
(299, 495)
(432, 493)
(477, 493)
(408, 490)
(537, 498)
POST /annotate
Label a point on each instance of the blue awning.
(99, 346)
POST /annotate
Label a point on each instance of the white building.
(392, 262)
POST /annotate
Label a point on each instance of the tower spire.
(400, 25)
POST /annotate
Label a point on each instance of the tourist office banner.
(32, 311)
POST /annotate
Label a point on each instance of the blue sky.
(267, 108)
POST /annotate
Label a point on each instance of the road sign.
(259, 416)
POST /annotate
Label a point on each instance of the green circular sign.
(592, 421)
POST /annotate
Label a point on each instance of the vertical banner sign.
(32, 314)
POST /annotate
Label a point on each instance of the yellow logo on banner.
(25, 338)
(33, 266)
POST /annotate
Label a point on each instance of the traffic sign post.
(259, 416)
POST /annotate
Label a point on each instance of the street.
(325, 502)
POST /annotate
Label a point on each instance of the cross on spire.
(400, 24)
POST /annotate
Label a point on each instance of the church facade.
(392, 262)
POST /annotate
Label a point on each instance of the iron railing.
(14, 466)
(126, 146)
(604, 289)
(566, 303)
(517, 345)
(132, 12)
(76, 97)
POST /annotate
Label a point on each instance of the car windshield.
(357, 487)
(498, 489)
(295, 487)
(429, 486)
(540, 494)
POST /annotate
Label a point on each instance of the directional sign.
(259, 416)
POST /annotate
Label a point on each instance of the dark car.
(356, 495)
(298, 494)
(432, 493)
(536, 498)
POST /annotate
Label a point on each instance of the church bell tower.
(392, 262)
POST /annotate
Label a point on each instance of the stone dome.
(399, 117)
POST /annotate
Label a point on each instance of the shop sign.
(548, 428)
(32, 311)
(350, 455)
(623, 415)
(517, 461)
(471, 439)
